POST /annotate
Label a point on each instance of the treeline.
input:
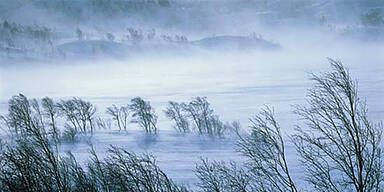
(338, 146)
(80, 11)
(17, 39)
(64, 120)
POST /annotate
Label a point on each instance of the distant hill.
(236, 43)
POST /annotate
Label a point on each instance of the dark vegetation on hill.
(120, 28)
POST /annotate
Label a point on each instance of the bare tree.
(266, 168)
(200, 112)
(265, 149)
(202, 115)
(175, 113)
(79, 114)
(86, 112)
(50, 111)
(218, 128)
(103, 123)
(67, 108)
(30, 165)
(218, 177)
(120, 115)
(125, 171)
(143, 114)
(19, 117)
(339, 146)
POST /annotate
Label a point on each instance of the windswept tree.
(175, 112)
(28, 163)
(122, 170)
(120, 115)
(143, 114)
(21, 116)
(266, 168)
(86, 110)
(79, 114)
(264, 148)
(338, 145)
(199, 111)
(202, 115)
(67, 109)
(50, 111)
(219, 177)
(103, 123)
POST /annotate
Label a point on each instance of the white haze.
(236, 82)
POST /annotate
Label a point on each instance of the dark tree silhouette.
(28, 163)
(50, 111)
(143, 114)
(175, 113)
(79, 114)
(339, 146)
(265, 149)
(202, 115)
(120, 115)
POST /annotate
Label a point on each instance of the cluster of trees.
(79, 115)
(17, 39)
(136, 36)
(174, 39)
(29, 163)
(11, 29)
(30, 160)
(24, 114)
(66, 119)
(339, 148)
(138, 111)
(198, 114)
(80, 11)
(373, 17)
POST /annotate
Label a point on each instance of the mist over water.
(237, 81)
